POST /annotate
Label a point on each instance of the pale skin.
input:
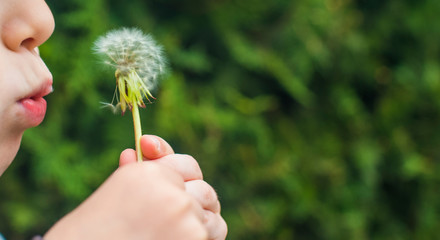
(162, 198)
(176, 203)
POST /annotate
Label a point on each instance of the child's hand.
(139, 201)
(155, 148)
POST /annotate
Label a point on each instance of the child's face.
(24, 78)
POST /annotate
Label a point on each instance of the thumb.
(154, 147)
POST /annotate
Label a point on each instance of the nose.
(29, 23)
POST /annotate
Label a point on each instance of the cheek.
(10, 79)
(7, 88)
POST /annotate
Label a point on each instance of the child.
(163, 197)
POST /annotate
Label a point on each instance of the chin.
(8, 148)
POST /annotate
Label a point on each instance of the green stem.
(137, 131)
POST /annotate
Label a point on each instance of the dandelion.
(138, 63)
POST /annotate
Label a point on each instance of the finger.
(154, 147)
(198, 210)
(193, 229)
(216, 226)
(161, 173)
(184, 164)
(186, 201)
(127, 156)
(204, 194)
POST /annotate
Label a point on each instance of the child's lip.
(42, 91)
(34, 104)
(35, 110)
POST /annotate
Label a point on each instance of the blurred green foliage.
(313, 119)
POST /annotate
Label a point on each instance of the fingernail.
(157, 144)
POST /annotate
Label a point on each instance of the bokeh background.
(313, 119)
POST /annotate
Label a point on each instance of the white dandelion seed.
(138, 63)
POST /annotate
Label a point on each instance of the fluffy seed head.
(129, 49)
(138, 61)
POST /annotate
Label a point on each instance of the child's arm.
(155, 148)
